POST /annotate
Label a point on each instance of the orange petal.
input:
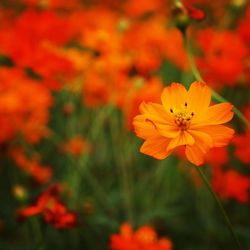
(197, 152)
(195, 155)
(157, 111)
(154, 117)
(166, 130)
(174, 96)
(217, 114)
(220, 134)
(156, 147)
(144, 129)
(184, 138)
(199, 97)
(201, 137)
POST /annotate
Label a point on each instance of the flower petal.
(220, 134)
(174, 96)
(199, 97)
(217, 114)
(166, 130)
(184, 138)
(156, 147)
(201, 137)
(154, 118)
(156, 111)
(196, 153)
(144, 129)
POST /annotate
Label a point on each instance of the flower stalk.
(222, 210)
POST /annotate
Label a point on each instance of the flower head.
(54, 212)
(183, 119)
(231, 184)
(145, 238)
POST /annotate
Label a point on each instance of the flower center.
(182, 118)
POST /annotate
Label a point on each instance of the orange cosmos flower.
(184, 119)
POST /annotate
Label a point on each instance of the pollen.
(183, 119)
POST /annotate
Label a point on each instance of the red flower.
(223, 57)
(140, 7)
(194, 12)
(243, 28)
(31, 166)
(231, 184)
(51, 208)
(41, 35)
(242, 141)
(58, 216)
(144, 238)
(217, 157)
(242, 147)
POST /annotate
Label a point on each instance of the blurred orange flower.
(184, 119)
(75, 146)
(145, 238)
(31, 166)
(24, 106)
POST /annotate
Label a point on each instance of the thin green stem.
(36, 228)
(127, 192)
(222, 210)
(198, 77)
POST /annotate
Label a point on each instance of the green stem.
(127, 192)
(222, 210)
(198, 77)
(37, 233)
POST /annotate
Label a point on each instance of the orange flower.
(184, 119)
(75, 146)
(24, 106)
(144, 238)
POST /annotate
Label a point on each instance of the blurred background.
(72, 76)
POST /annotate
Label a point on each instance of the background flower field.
(72, 77)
